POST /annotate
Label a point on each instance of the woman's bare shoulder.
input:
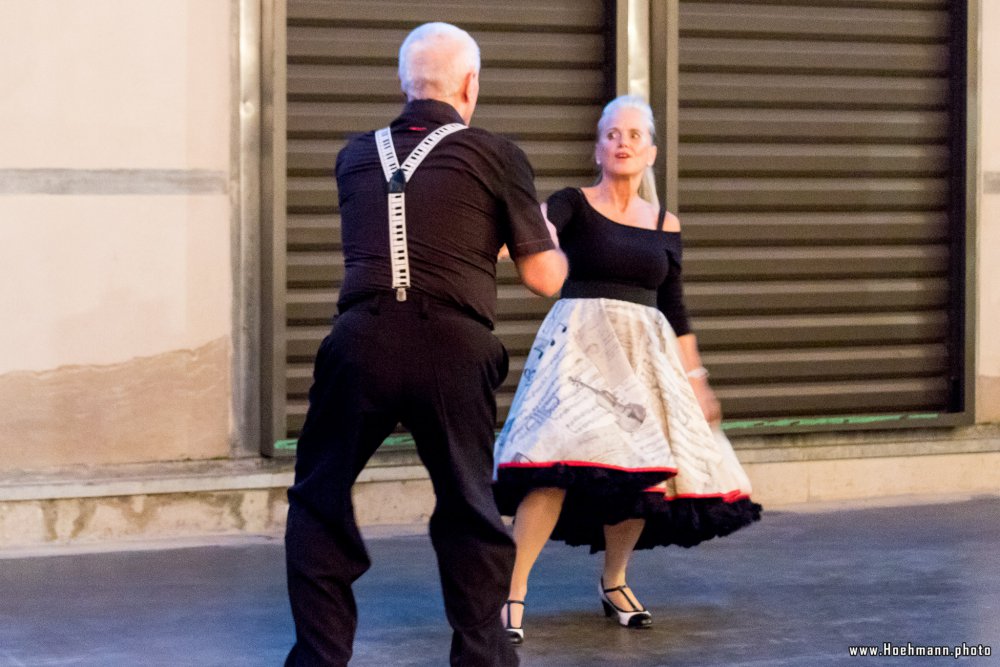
(671, 223)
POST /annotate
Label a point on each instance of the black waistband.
(415, 302)
(597, 289)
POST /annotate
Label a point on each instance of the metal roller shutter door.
(819, 148)
(546, 73)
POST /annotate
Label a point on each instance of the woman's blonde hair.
(647, 186)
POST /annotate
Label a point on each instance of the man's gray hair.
(434, 60)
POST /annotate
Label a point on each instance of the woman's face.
(624, 145)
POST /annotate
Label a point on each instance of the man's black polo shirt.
(473, 193)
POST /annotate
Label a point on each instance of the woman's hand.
(710, 406)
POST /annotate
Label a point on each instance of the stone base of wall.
(166, 407)
(895, 480)
(83, 507)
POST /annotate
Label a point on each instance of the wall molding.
(113, 182)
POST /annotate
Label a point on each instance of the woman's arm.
(698, 377)
(670, 300)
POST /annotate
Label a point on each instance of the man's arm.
(542, 267)
(543, 272)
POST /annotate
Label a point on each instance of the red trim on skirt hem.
(728, 497)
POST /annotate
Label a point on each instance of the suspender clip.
(400, 294)
(397, 183)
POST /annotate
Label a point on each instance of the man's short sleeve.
(527, 233)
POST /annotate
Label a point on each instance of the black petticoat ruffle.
(514, 483)
(596, 497)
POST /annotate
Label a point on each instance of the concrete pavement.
(798, 588)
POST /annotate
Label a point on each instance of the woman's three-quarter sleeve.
(670, 296)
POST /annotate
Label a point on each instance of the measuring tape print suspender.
(397, 176)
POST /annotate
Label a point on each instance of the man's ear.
(470, 90)
(468, 96)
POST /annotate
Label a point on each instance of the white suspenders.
(397, 178)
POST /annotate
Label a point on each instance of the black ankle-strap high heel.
(638, 617)
(515, 634)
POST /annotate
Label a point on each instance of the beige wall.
(115, 227)
(988, 259)
(115, 83)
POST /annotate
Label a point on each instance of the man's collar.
(431, 111)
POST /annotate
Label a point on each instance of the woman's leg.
(536, 517)
(620, 542)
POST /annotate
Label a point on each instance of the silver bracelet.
(697, 373)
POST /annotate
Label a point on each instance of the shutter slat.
(313, 232)
(311, 306)
(352, 48)
(317, 82)
(771, 400)
(795, 126)
(815, 331)
(813, 228)
(705, 159)
(820, 22)
(816, 262)
(841, 296)
(778, 194)
(756, 367)
(303, 341)
(813, 91)
(315, 158)
(328, 120)
(471, 14)
(760, 55)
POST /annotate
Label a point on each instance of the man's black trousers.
(434, 370)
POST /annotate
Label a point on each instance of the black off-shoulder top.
(614, 261)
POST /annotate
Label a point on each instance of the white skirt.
(604, 409)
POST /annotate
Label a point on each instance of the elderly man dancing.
(426, 204)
